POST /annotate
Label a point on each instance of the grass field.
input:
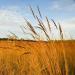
(38, 57)
(20, 57)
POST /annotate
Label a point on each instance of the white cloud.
(10, 21)
(63, 5)
(69, 27)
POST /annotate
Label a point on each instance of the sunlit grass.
(37, 56)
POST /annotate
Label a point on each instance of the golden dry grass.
(19, 57)
(39, 57)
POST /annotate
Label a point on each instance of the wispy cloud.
(12, 16)
(10, 21)
(69, 27)
(63, 5)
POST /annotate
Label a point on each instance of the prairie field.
(26, 57)
(47, 50)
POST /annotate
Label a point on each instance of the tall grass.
(40, 25)
(55, 68)
(46, 59)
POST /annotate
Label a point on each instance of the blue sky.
(53, 8)
(13, 11)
